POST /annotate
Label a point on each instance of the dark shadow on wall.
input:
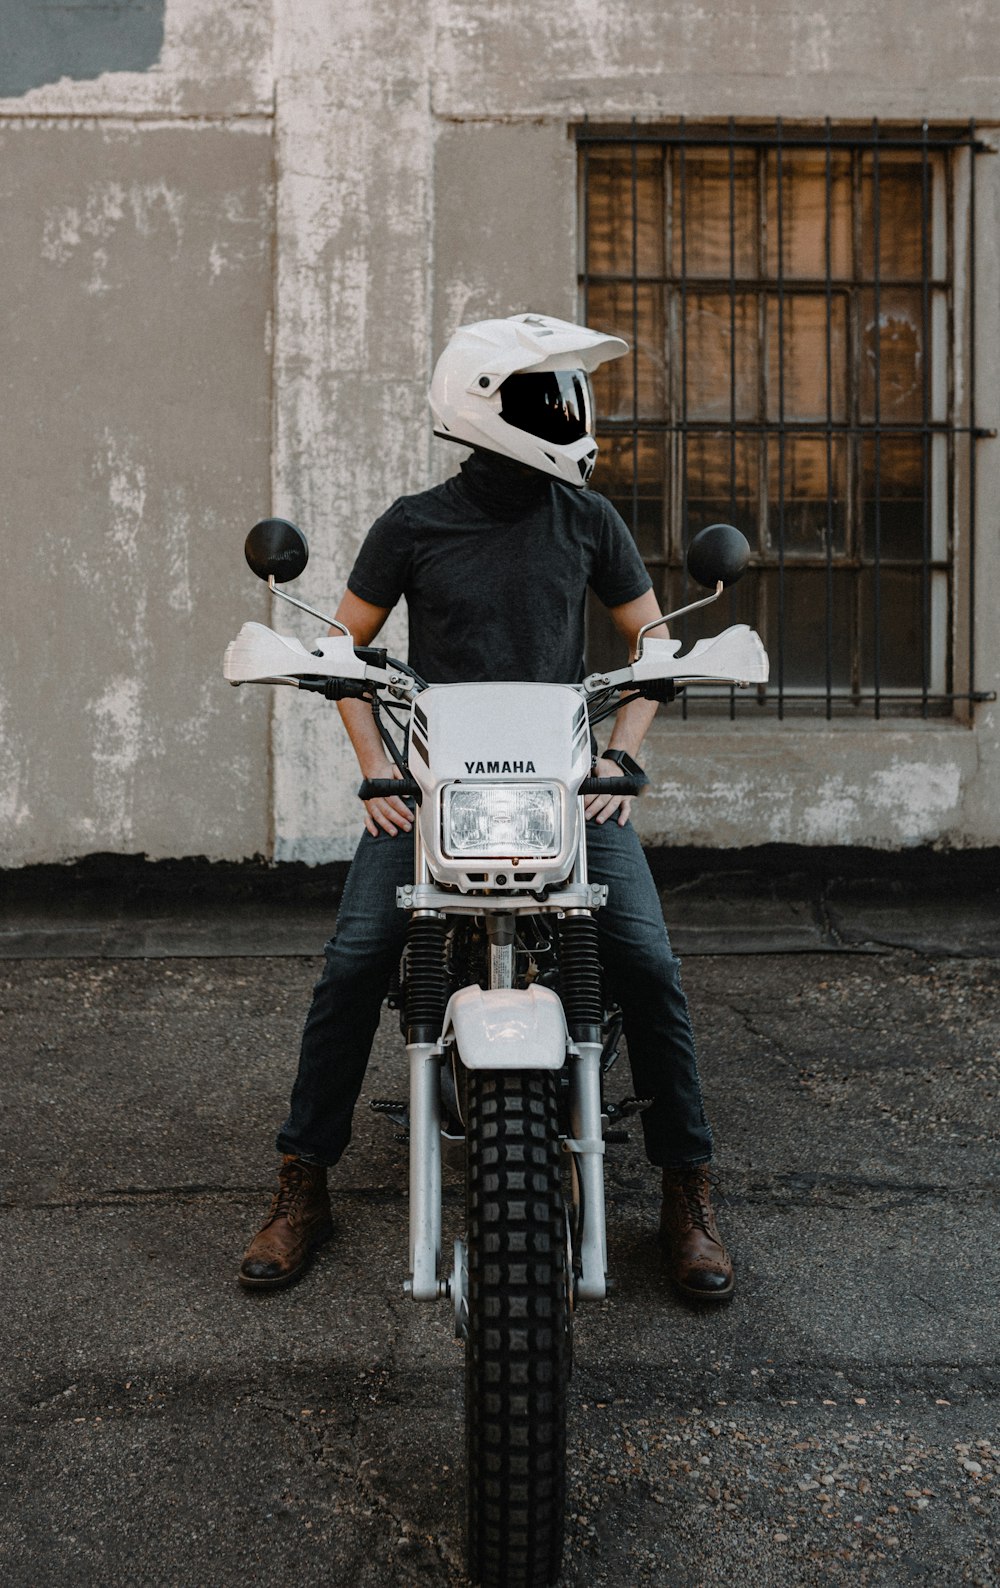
(41, 42)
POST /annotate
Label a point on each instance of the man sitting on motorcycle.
(495, 565)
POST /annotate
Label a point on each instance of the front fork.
(425, 1017)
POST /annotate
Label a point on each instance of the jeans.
(635, 954)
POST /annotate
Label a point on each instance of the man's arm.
(364, 622)
(632, 722)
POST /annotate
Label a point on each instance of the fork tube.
(425, 1169)
(585, 1117)
(425, 1002)
(581, 979)
(500, 931)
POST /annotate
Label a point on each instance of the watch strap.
(627, 763)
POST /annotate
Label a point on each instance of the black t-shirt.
(495, 565)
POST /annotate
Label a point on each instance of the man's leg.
(347, 1001)
(336, 1042)
(637, 957)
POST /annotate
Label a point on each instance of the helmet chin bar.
(556, 462)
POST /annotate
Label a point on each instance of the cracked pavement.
(836, 1423)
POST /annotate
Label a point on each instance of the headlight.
(502, 819)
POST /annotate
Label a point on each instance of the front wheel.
(517, 1354)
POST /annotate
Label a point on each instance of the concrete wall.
(378, 172)
(136, 230)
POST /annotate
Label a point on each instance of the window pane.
(722, 482)
(900, 189)
(799, 390)
(722, 336)
(609, 211)
(899, 491)
(804, 214)
(720, 213)
(898, 345)
(803, 623)
(900, 629)
(631, 474)
(797, 479)
(639, 320)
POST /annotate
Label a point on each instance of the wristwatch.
(621, 758)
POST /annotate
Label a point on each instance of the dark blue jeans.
(635, 953)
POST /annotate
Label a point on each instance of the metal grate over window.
(800, 305)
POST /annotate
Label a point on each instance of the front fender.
(507, 1028)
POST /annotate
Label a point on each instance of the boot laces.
(695, 1191)
(291, 1181)
(695, 1200)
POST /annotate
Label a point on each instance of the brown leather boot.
(298, 1221)
(695, 1257)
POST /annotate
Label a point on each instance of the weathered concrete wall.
(423, 173)
(614, 58)
(355, 157)
(135, 251)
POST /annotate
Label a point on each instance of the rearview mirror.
(276, 550)
(719, 552)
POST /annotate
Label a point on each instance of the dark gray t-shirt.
(495, 565)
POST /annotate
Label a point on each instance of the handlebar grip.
(613, 785)
(338, 688)
(662, 689)
(374, 788)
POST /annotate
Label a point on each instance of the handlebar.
(613, 785)
(374, 788)
(338, 688)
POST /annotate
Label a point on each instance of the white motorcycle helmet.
(521, 387)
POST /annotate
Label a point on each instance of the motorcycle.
(507, 1032)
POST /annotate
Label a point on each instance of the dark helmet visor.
(555, 406)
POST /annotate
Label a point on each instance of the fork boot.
(299, 1219)
(694, 1254)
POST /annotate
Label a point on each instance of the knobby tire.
(517, 1353)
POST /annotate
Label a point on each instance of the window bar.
(634, 176)
(685, 510)
(732, 357)
(781, 431)
(972, 406)
(751, 138)
(585, 222)
(828, 262)
(925, 406)
(856, 431)
(877, 266)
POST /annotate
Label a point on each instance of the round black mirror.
(275, 548)
(718, 552)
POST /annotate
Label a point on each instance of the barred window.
(800, 309)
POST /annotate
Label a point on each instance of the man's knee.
(647, 958)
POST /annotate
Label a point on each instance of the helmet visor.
(555, 406)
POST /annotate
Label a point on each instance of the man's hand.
(598, 807)
(388, 812)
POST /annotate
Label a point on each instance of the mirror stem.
(692, 607)
(333, 622)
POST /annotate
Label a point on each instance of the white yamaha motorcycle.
(506, 1028)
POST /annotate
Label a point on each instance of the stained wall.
(236, 251)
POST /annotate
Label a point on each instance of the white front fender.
(507, 1028)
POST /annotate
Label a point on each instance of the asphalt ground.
(836, 1423)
